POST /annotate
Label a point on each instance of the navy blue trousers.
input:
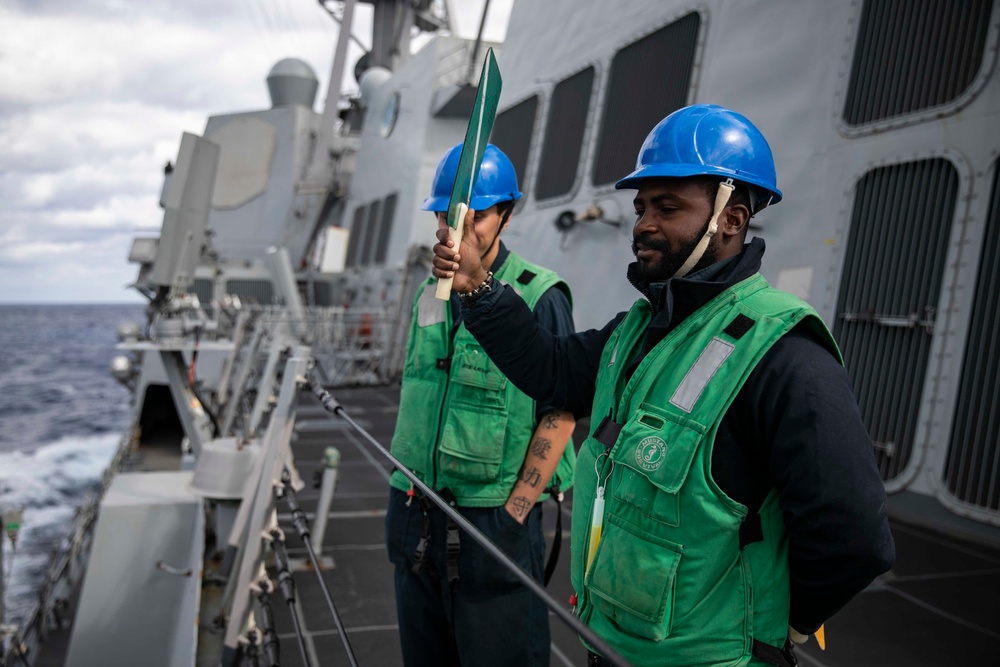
(490, 618)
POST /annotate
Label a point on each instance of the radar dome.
(371, 80)
(292, 82)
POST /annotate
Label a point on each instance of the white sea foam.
(48, 484)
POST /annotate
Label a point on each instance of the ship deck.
(937, 606)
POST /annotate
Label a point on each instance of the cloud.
(94, 96)
(68, 271)
(140, 55)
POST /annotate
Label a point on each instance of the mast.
(319, 170)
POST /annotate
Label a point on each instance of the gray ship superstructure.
(293, 242)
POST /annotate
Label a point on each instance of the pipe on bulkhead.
(284, 281)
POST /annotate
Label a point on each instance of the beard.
(671, 260)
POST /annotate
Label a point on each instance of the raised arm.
(559, 371)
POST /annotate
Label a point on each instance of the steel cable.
(302, 527)
(287, 585)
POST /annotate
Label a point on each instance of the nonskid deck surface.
(361, 581)
(937, 606)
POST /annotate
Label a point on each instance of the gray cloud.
(94, 96)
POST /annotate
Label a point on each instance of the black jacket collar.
(675, 299)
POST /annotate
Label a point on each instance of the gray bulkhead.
(866, 125)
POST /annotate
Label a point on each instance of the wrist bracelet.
(470, 298)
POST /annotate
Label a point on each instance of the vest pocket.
(655, 451)
(475, 427)
(475, 381)
(472, 443)
(632, 580)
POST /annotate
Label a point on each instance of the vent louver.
(972, 470)
(357, 232)
(564, 131)
(912, 55)
(385, 231)
(371, 232)
(649, 79)
(889, 289)
(512, 134)
(252, 291)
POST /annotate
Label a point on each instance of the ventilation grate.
(385, 231)
(356, 234)
(972, 470)
(512, 134)
(322, 293)
(252, 291)
(891, 282)
(203, 289)
(371, 232)
(649, 79)
(912, 55)
(564, 135)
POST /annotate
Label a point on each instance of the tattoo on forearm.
(550, 421)
(540, 447)
(531, 477)
(521, 506)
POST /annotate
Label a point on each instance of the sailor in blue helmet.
(726, 501)
(485, 446)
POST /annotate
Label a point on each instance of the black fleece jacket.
(794, 426)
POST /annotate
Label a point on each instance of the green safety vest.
(669, 584)
(462, 425)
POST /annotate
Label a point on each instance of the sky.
(94, 96)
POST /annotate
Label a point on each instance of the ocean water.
(61, 418)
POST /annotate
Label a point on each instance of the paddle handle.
(443, 291)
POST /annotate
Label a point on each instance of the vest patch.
(526, 277)
(699, 375)
(650, 453)
(739, 326)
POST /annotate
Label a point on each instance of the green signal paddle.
(484, 112)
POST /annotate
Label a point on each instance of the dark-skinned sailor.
(727, 499)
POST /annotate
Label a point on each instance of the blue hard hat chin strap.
(721, 199)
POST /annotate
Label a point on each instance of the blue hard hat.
(496, 182)
(707, 140)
